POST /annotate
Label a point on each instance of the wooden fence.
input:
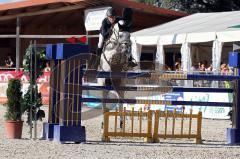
(123, 132)
(174, 115)
(162, 119)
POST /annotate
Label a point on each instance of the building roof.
(199, 27)
(69, 13)
(22, 7)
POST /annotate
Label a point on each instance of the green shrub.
(14, 104)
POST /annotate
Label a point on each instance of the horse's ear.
(127, 13)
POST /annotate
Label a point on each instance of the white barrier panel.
(207, 111)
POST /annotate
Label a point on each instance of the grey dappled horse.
(114, 58)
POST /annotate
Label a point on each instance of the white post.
(216, 58)
(186, 60)
(160, 57)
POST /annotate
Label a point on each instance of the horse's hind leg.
(104, 105)
(121, 96)
(120, 93)
(102, 82)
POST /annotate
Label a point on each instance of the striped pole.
(159, 102)
(155, 88)
(159, 76)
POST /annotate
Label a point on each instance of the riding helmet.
(111, 12)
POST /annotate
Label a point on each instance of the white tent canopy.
(200, 27)
(196, 28)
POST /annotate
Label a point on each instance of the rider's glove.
(121, 22)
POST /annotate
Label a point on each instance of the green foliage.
(30, 99)
(194, 6)
(27, 102)
(40, 62)
(147, 1)
(14, 103)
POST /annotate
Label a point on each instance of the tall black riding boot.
(131, 63)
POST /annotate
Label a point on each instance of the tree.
(193, 6)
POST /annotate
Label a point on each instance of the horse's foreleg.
(101, 82)
(104, 105)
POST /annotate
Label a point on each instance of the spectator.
(224, 69)
(205, 63)
(209, 69)
(9, 62)
(177, 66)
(47, 68)
(202, 67)
(199, 65)
(167, 68)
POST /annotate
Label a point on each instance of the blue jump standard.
(61, 131)
(233, 134)
(48, 131)
(64, 134)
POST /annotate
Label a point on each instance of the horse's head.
(117, 48)
(119, 41)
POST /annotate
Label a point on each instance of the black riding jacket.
(105, 29)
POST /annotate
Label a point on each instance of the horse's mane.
(117, 37)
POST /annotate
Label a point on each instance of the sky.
(8, 1)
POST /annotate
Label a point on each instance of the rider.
(125, 23)
(105, 29)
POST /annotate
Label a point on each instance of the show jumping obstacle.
(137, 128)
(64, 123)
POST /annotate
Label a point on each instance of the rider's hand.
(121, 22)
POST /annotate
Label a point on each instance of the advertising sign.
(43, 84)
(213, 112)
(94, 18)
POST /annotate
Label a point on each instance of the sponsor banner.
(94, 18)
(207, 111)
(43, 84)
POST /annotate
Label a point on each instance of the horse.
(114, 58)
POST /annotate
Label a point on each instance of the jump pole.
(54, 93)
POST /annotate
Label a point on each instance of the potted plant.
(14, 111)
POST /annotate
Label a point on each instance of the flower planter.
(14, 129)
